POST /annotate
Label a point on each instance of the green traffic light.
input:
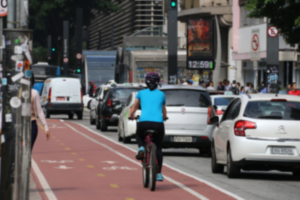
(173, 4)
(78, 70)
(53, 49)
(16, 41)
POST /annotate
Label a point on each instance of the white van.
(62, 96)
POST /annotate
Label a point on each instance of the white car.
(220, 103)
(99, 95)
(87, 100)
(258, 132)
(189, 110)
(127, 128)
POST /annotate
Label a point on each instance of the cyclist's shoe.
(159, 177)
(140, 153)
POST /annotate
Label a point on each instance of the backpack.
(234, 90)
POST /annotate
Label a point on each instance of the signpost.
(255, 55)
(272, 58)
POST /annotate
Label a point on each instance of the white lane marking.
(139, 164)
(62, 120)
(55, 161)
(110, 162)
(47, 190)
(63, 167)
(117, 167)
(173, 168)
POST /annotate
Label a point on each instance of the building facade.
(135, 15)
(250, 43)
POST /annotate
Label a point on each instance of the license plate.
(183, 139)
(60, 98)
(282, 151)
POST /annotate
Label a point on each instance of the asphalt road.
(251, 184)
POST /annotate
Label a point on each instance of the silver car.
(189, 110)
(100, 92)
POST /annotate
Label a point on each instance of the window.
(123, 93)
(277, 110)
(187, 98)
(235, 110)
(247, 21)
(129, 100)
(223, 101)
(226, 114)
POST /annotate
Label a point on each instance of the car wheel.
(89, 104)
(47, 114)
(103, 125)
(120, 139)
(79, 115)
(296, 173)
(97, 123)
(215, 167)
(92, 121)
(232, 170)
(71, 115)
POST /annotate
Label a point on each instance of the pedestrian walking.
(92, 89)
(234, 89)
(220, 86)
(211, 86)
(262, 86)
(294, 90)
(242, 91)
(226, 85)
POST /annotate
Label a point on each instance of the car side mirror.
(215, 120)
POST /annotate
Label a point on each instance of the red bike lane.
(78, 163)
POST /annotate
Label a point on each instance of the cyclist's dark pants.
(142, 127)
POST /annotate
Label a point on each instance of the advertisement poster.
(142, 72)
(200, 39)
(272, 78)
(184, 75)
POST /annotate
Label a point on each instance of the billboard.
(200, 44)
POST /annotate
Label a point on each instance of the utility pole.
(79, 41)
(172, 42)
(16, 113)
(66, 47)
(49, 47)
(112, 38)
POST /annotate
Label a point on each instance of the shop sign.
(200, 44)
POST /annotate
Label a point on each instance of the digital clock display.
(203, 64)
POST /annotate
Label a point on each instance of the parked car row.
(244, 132)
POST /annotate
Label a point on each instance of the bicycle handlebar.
(137, 117)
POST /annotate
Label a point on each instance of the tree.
(47, 16)
(284, 14)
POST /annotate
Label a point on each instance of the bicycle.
(149, 162)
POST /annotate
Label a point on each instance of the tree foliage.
(47, 16)
(284, 14)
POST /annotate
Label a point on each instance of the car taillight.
(109, 103)
(81, 95)
(49, 95)
(241, 126)
(219, 112)
(211, 113)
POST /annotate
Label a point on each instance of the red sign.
(255, 42)
(272, 31)
(66, 60)
(79, 56)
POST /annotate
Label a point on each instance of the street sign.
(255, 65)
(255, 42)
(3, 8)
(78, 56)
(255, 56)
(272, 31)
(66, 60)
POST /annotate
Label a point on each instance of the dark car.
(112, 104)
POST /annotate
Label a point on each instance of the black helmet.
(152, 80)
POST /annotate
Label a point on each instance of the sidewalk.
(33, 191)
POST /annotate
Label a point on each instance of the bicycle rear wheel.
(152, 164)
(145, 168)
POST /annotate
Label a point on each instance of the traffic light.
(53, 49)
(173, 4)
(78, 70)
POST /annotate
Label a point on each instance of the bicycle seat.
(151, 132)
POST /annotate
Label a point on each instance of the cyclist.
(152, 102)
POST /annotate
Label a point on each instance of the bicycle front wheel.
(152, 165)
(146, 168)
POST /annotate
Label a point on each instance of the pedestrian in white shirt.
(211, 86)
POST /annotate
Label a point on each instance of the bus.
(42, 71)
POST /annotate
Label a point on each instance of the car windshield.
(188, 98)
(223, 101)
(124, 93)
(273, 110)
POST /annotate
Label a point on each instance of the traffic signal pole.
(79, 40)
(172, 42)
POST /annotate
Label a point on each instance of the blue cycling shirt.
(152, 103)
